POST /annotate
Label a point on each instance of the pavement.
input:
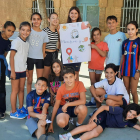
(13, 129)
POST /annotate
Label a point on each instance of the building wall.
(17, 11)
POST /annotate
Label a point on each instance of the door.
(89, 10)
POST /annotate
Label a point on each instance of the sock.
(78, 139)
(69, 135)
(92, 99)
(77, 124)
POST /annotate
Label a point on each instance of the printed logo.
(125, 53)
(120, 40)
(134, 46)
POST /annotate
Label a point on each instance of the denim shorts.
(18, 74)
(96, 71)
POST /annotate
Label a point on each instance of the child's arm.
(12, 54)
(56, 106)
(119, 72)
(102, 53)
(5, 54)
(81, 101)
(50, 90)
(44, 47)
(112, 97)
(137, 72)
(101, 109)
(136, 127)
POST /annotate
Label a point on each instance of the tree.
(42, 10)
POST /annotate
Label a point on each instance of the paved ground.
(12, 129)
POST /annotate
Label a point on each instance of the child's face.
(131, 114)
(36, 20)
(110, 74)
(9, 31)
(69, 79)
(40, 86)
(73, 15)
(54, 20)
(131, 30)
(56, 69)
(112, 24)
(24, 32)
(96, 36)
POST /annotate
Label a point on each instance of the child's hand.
(51, 128)
(89, 26)
(93, 46)
(119, 74)
(64, 108)
(42, 116)
(98, 99)
(42, 122)
(13, 75)
(102, 98)
(136, 77)
(93, 119)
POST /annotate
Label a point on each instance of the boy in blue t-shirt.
(37, 104)
(114, 41)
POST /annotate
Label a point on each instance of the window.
(49, 7)
(130, 12)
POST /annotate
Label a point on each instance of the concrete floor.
(12, 129)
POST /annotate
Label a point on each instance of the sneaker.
(2, 115)
(45, 137)
(17, 115)
(65, 137)
(90, 115)
(90, 104)
(23, 110)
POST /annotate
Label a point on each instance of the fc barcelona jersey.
(130, 52)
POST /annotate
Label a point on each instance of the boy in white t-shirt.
(111, 89)
(114, 41)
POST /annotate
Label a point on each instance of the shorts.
(50, 56)
(18, 75)
(101, 119)
(76, 66)
(124, 102)
(39, 63)
(96, 71)
(70, 111)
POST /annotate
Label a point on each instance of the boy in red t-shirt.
(70, 101)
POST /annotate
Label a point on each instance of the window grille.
(49, 7)
(130, 12)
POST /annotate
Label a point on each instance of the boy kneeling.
(70, 101)
(37, 104)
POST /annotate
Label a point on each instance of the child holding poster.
(99, 51)
(74, 16)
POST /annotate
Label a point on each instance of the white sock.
(77, 124)
(69, 135)
(92, 99)
(78, 139)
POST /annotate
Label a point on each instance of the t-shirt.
(131, 52)
(114, 42)
(97, 61)
(55, 84)
(36, 40)
(5, 45)
(53, 39)
(70, 95)
(115, 118)
(21, 47)
(117, 88)
(37, 101)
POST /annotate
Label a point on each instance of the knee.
(82, 109)
(21, 90)
(61, 123)
(96, 133)
(29, 81)
(110, 102)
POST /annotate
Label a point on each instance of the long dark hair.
(79, 16)
(135, 24)
(92, 33)
(129, 107)
(52, 76)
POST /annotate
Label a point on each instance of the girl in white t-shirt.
(111, 89)
(37, 43)
(17, 70)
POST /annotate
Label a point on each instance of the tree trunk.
(42, 10)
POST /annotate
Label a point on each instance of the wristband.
(106, 96)
(137, 70)
(119, 71)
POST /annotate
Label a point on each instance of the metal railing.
(49, 7)
(130, 12)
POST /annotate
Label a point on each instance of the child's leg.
(46, 72)
(98, 77)
(133, 86)
(114, 103)
(29, 81)
(15, 90)
(39, 72)
(62, 120)
(92, 77)
(126, 81)
(92, 134)
(21, 92)
(81, 112)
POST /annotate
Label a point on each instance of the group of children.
(66, 93)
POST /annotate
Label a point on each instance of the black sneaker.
(2, 115)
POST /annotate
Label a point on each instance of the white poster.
(75, 40)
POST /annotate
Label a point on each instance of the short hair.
(112, 66)
(112, 17)
(42, 79)
(25, 23)
(9, 23)
(93, 30)
(68, 69)
(135, 24)
(54, 13)
(129, 107)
